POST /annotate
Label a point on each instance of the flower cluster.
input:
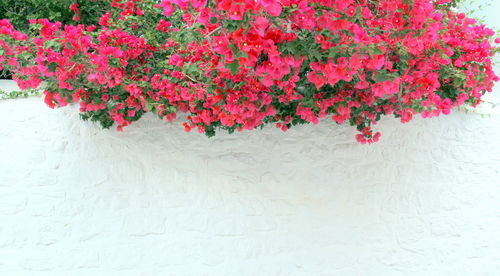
(241, 64)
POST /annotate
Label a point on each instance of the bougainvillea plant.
(242, 64)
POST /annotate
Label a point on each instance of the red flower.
(393, 57)
(351, 11)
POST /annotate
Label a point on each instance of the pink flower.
(351, 11)
(272, 7)
(48, 99)
(133, 89)
(376, 62)
(406, 115)
(386, 88)
(343, 113)
(168, 8)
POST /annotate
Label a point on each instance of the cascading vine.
(242, 64)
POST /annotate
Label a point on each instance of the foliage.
(242, 64)
(18, 94)
(20, 11)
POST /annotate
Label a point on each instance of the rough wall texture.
(153, 200)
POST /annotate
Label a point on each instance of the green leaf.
(150, 106)
(233, 67)
(242, 54)
(381, 77)
(51, 43)
(375, 51)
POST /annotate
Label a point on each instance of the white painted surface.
(154, 200)
(8, 85)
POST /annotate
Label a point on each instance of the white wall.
(153, 200)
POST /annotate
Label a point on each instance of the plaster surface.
(154, 200)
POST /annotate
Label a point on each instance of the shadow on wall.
(316, 159)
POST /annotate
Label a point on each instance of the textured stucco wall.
(153, 200)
